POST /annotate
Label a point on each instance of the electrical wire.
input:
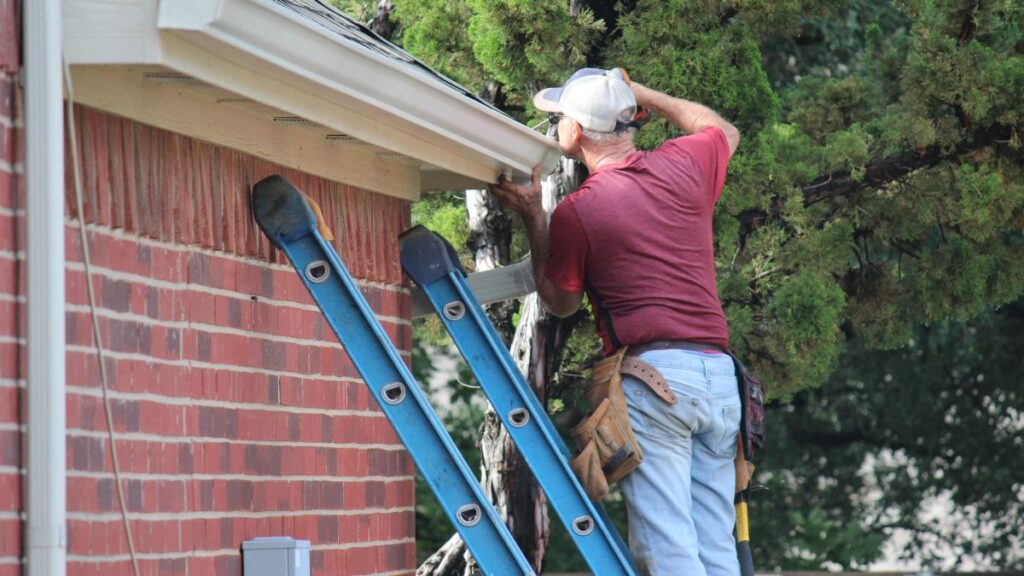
(75, 163)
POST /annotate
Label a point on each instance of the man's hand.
(527, 201)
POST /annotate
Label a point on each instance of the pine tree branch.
(876, 175)
(729, 13)
(892, 168)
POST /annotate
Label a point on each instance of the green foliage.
(895, 441)
(436, 33)
(526, 45)
(878, 188)
(935, 85)
(805, 309)
(694, 59)
(444, 213)
(814, 540)
(360, 10)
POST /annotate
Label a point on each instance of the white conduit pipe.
(46, 529)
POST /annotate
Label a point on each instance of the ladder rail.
(538, 440)
(566, 495)
(286, 219)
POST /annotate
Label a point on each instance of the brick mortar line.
(357, 545)
(12, 383)
(72, 473)
(19, 298)
(90, 350)
(172, 516)
(13, 427)
(185, 401)
(12, 340)
(212, 328)
(10, 515)
(5, 469)
(95, 559)
(191, 286)
(156, 438)
(16, 256)
(5, 211)
(191, 249)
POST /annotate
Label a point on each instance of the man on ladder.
(637, 237)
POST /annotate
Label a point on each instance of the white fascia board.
(111, 32)
(265, 35)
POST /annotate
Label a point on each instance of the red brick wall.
(11, 297)
(237, 413)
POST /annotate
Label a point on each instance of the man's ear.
(577, 132)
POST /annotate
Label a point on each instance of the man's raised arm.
(688, 116)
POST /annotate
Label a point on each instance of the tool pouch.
(752, 418)
(751, 437)
(608, 447)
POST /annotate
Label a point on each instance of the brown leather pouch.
(606, 432)
(587, 465)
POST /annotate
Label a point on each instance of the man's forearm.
(557, 301)
(526, 201)
(537, 233)
(688, 116)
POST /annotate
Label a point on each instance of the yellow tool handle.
(742, 523)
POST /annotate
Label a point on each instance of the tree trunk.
(538, 339)
(381, 23)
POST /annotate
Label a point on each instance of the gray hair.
(621, 131)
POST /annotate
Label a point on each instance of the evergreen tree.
(860, 203)
(924, 442)
(878, 188)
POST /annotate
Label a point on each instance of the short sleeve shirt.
(637, 237)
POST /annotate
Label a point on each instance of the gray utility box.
(275, 556)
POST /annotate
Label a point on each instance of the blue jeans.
(680, 500)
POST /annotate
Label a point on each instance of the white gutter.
(46, 530)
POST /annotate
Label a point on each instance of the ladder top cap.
(281, 210)
(426, 256)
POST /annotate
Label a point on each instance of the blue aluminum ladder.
(433, 265)
(290, 224)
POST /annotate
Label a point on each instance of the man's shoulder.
(707, 140)
(604, 185)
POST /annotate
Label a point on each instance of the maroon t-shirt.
(637, 237)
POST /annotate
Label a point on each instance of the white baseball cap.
(600, 100)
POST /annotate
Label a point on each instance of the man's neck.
(596, 157)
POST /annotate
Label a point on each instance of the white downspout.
(46, 530)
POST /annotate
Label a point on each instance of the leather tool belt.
(608, 447)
